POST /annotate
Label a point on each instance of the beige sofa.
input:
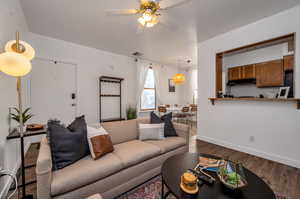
(132, 163)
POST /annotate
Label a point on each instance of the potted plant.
(25, 115)
(131, 112)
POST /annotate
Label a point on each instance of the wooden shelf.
(213, 100)
(110, 81)
(112, 119)
(15, 134)
(108, 95)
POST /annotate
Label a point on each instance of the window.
(148, 98)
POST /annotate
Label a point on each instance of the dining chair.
(183, 115)
(193, 115)
(162, 110)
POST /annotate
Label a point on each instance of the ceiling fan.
(148, 12)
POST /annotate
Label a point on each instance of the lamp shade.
(14, 64)
(26, 49)
(179, 78)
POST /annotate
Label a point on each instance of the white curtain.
(142, 69)
(157, 78)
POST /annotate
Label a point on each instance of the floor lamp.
(15, 61)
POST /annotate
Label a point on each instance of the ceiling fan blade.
(176, 5)
(122, 12)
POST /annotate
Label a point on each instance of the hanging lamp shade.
(179, 78)
(25, 49)
(14, 64)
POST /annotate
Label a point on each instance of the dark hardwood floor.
(284, 180)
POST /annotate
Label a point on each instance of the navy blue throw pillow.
(169, 130)
(68, 145)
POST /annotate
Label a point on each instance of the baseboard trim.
(262, 154)
(9, 181)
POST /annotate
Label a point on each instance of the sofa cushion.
(134, 152)
(96, 196)
(122, 131)
(84, 172)
(168, 144)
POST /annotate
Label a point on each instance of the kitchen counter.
(213, 100)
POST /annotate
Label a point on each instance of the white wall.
(168, 72)
(91, 64)
(252, 57)
(188, 88)
(266, 129)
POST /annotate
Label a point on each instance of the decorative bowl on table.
(232, 175)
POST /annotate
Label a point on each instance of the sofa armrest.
(44, 170)
(96, 196)
(183, 130)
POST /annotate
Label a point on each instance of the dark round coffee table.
(175, 166)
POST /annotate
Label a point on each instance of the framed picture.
(283, 92)
(171, 86)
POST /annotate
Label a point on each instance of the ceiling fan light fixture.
(153, 22)
(150, 25)
(147, 16)
(148, 20)
(142, 21)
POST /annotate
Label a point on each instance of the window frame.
(155, 100)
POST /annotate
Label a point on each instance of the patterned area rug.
(152, 190)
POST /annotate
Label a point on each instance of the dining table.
(174, 109)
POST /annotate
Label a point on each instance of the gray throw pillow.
(67, 145)
(151, 131)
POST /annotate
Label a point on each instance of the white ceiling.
(85, 22)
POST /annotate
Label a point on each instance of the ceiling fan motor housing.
(149, 5)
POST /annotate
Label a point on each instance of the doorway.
(53, 91)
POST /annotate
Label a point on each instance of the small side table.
(16, 135)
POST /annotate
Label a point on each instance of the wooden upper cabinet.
(270, 73)
(242, 72)
(288, 62)
(235, 73)
(248, 72)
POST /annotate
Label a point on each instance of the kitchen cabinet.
(248, 72)
(288, 62)
(235, 73)
(241, 72)
(270, 74)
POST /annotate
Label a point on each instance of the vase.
(19, 128)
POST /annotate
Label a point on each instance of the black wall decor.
(111, 80)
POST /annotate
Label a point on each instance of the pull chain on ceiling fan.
(149, 11)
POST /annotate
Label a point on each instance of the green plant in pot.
(25, 115)
(131, 113)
